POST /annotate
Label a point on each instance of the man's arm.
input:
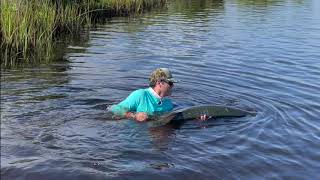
(128, 105)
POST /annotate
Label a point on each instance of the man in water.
(142, 103)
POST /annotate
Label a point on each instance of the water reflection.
(260, 3)
(163, 135)
(54, 123)
(194, 7)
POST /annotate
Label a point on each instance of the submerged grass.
(30, 27)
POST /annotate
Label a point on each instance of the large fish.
(194, 112)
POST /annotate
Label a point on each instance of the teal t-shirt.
(143, 100)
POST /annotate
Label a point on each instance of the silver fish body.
(195, 112)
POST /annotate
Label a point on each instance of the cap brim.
(173, 80)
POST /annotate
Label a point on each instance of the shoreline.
(31, 27)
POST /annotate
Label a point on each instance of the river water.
(254, 55)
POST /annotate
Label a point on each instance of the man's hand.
(140, 116)
(204, 117)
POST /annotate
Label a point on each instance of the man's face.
(167, 87)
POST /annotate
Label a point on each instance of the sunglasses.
(168, 82)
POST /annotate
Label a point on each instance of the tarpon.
(194, 112)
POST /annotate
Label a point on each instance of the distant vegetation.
(29, 27)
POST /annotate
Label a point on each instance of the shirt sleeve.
(130, 104)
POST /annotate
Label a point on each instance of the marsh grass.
(30, 28)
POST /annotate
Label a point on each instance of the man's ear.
(158, 82)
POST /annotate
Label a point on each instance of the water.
(258, 55)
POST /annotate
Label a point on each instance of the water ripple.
(256, 56)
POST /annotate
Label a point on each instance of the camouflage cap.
(161, 74)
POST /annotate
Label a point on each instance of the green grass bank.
(30, 27)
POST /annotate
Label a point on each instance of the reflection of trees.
(20, 77)
(192, 7)
(263, 3)
(26, 80)
(53, 53)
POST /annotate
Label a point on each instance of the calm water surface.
(258, 55)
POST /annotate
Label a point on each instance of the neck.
(158, 91)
